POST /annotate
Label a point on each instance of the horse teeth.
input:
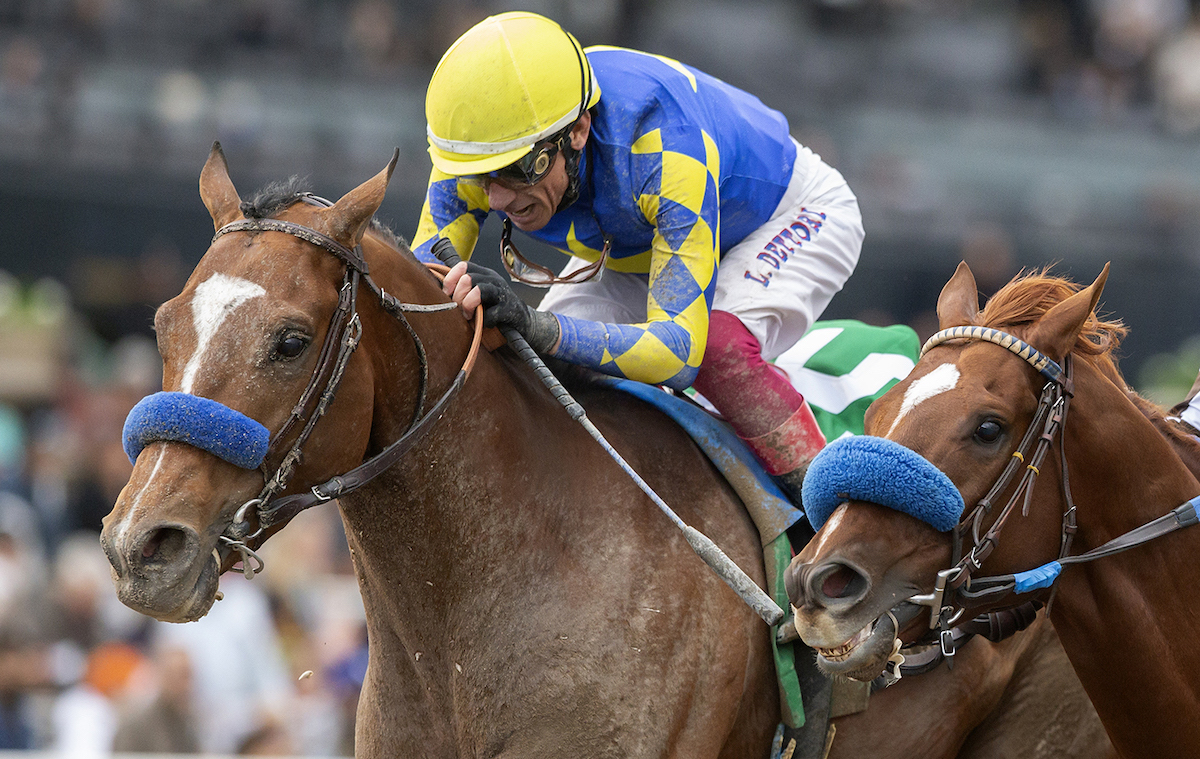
(841, 652)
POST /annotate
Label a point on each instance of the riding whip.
(754, 596)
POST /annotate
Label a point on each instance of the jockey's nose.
(499, 196)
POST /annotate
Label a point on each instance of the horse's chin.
(165, 604)
(864, 655)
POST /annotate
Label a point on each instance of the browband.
(1034, 357)
(351, 257)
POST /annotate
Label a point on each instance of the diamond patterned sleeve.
(679, 170)
(452, 209)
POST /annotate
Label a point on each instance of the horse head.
(243, 346)
(943, 438)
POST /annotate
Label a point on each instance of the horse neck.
(1123, 470)
(437, 514)
(1121, 618)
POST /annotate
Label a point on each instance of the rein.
(957, 591)
(344, 335)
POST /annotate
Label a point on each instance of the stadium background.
(1010, 133)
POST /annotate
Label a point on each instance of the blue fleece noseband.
(877, 470)
(202, 422)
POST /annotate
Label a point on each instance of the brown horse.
(523, 597)
(1128, 621)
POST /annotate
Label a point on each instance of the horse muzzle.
(160, 570)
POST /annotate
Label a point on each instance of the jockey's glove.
(502, 307)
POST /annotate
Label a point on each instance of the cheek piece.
(877, 470)
(207, 424)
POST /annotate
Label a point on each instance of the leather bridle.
(957, 591)
(343, 336)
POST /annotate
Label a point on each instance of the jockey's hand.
(472, 285)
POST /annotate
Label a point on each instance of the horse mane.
(1031, 294)
(276, 197)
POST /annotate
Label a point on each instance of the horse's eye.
(290, 346)
(989, 431)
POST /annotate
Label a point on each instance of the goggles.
(530, 168)
(522, 270)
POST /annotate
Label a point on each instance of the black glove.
(502, 307)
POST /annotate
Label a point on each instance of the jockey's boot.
(787, 450)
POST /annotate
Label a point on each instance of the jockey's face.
(530, 206)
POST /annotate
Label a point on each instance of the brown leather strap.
(352, 258)
(282, 509)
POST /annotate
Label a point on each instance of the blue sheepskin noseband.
(877, 470)
(202, 422)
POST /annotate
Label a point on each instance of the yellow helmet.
(510, 81)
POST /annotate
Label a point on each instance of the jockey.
(653, 184)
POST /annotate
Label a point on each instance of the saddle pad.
(772, 511)
(840, 367)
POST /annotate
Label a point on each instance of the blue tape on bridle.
(877, 470)
(202, 422)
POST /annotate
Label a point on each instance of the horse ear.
(1056, 332)
(347, 219)
(217, 191)
(958, 305)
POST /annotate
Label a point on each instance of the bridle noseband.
(345, 332)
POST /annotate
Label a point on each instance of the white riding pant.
(777, 280)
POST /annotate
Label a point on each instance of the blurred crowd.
(1101, 58)
(136, 83)
(83, 675)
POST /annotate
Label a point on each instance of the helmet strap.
(574, 180)
(568, 150)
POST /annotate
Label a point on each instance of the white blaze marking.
(120, 531)
(830, 525)
(215, 299)
(941, 379)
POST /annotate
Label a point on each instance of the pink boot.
(787, 450)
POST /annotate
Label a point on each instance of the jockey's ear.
(347, 220)
(1056, 332)
(217, 190)
(958, 305)
(579, 133)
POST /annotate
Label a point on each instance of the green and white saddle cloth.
(842, 366)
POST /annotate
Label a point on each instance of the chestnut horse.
(523, 597)
(1099, 463)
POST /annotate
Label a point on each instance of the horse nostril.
(837, 582)
(164, 545)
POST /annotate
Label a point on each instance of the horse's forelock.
(1028, 297)
(277, 197)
